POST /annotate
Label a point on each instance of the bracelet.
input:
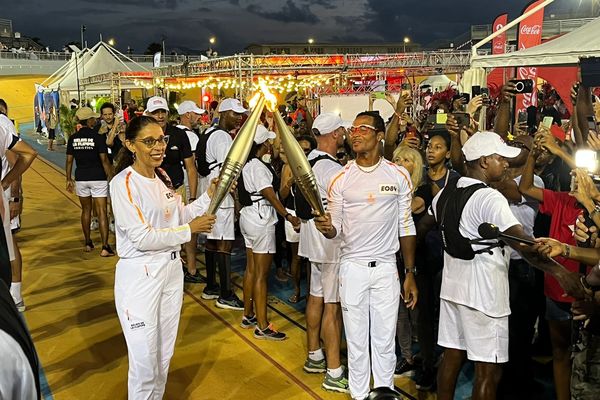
(410, 270)
(595, 211)
(567, 252)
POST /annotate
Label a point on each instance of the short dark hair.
(309, 139)
(3, 104)
(108, 105)
(378, 122)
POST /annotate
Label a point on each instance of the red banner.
(529, 35)
(499, 42)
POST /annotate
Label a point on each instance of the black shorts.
(51, 134)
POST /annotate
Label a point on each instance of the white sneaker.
(94, 225)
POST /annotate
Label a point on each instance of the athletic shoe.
(248, 322)
(20, 306)
(94, 224)
(339, 384)
(196, 278)
(268, 333)
(425, 379)
(404, 368)
(232, 303)
(315, 367)
(211, 293)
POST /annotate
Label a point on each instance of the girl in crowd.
(257, 192)
(151, 225)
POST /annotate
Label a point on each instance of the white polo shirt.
(192, 136)
(481, 283)
(8, 134)
(257, 177)
(313, 245)
(370, 210)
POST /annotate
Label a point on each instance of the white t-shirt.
(149, 217)
(525, 212)
(217, 147)
(313, 245)
(16, 377)
(481, 283)
(257, 177)
(370, 210)
(8, 134)
(193, 138)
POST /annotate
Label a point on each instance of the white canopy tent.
(437, 82)
(565, 50)
(100, 59)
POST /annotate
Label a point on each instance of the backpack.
(449, 209)
(203, 166)
(245, 197)
(301, 205)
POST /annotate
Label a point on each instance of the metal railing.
(63, 56)
(550, 28)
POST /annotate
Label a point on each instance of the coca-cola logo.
(531, 30)
(498, 27)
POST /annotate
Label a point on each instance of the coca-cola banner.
(529, 35)
(499, 42)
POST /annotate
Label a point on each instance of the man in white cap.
(369, 210)
(323, 312)
(474, 296)
(211, 152)
(178, 154)
(189, 118)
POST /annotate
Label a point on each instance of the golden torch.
(238, 154)
(303, 173)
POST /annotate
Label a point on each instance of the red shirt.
(564, 212)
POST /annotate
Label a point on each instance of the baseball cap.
(189, 106)
(263, 134)
(483, 144)
(86, 113)
(156, 103)
(231, 104)
(326, 123)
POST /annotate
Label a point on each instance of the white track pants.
(148, 297)
(369, 297)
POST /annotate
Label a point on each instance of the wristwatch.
(410, 270)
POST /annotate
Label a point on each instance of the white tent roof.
(567, 49)
(439, 82)
(100, 59)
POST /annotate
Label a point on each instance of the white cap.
(326, 123)
(483, 144)
(189, 106)
(156, 103)
(263, 134)
(231, 104)
(85, 113)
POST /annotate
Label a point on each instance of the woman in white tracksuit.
(258, 217)
(151, 225)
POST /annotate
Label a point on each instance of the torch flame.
(254, 100)
(269, 96)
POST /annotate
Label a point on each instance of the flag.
(499, 42)
(157, 59)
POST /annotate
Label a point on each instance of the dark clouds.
(237, 23)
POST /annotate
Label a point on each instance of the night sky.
(188, 24)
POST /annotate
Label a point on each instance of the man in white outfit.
(323, 312)
(369, 207)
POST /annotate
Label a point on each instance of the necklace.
(368, 170)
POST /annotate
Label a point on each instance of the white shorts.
(223, 229)
(259, 238)
(325, 282)
(291, 235)
(484, 338)
(6, 222)
(91, 188)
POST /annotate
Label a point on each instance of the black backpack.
(302, 207)
(449, 209)
(245, 197)
(203, 166)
